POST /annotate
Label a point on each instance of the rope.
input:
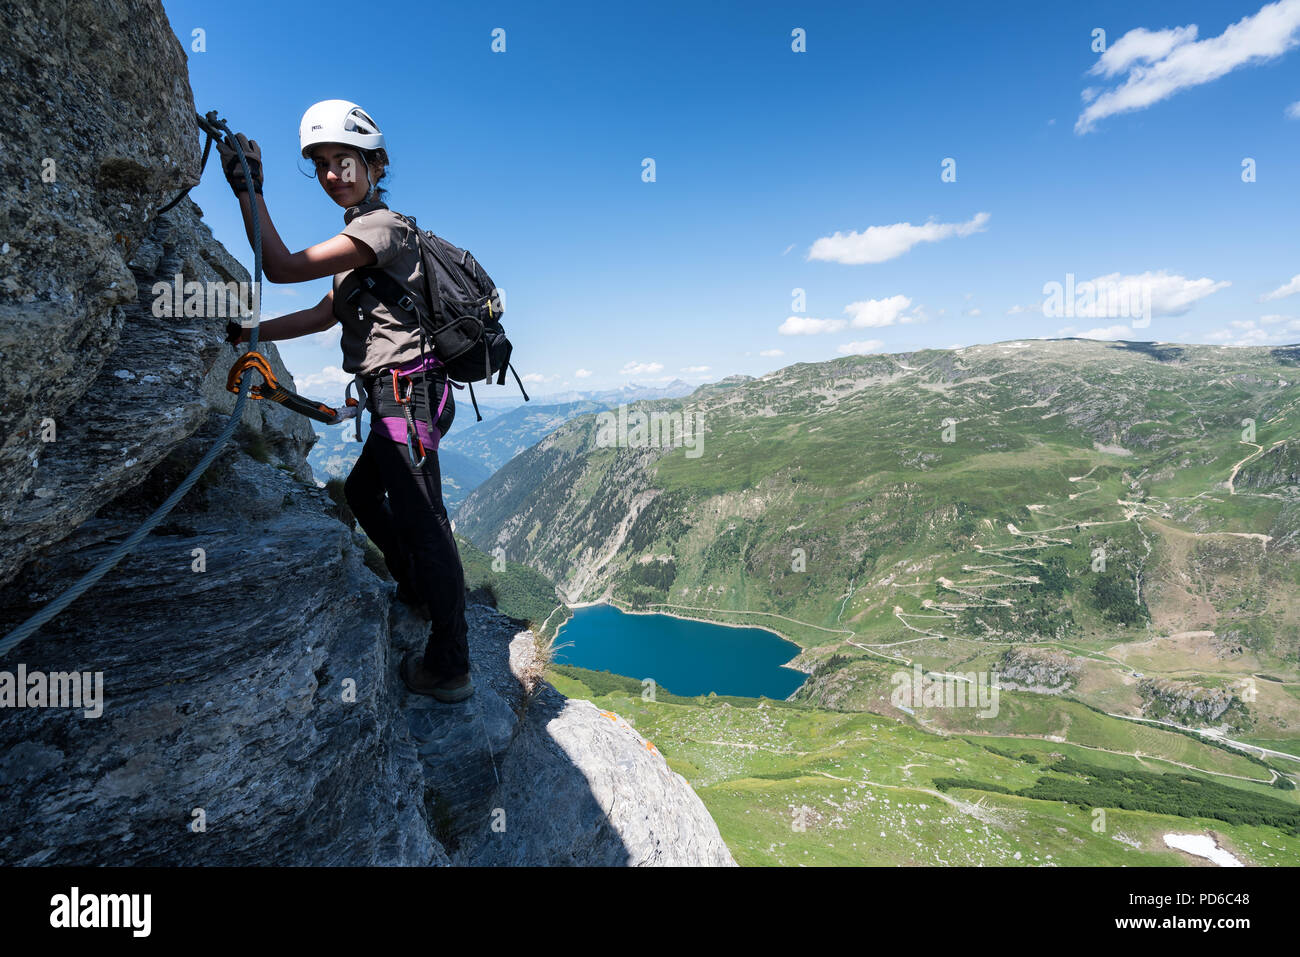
(207, 148)
(209, 124)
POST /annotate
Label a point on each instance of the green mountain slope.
(795, 784)
(1135, 504)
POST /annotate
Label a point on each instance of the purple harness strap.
(395, 428)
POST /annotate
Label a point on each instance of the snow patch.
(1202, 845)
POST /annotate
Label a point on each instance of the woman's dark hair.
(379, 156)
(371, 157)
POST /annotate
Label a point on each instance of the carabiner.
(412, 436)
(410, 451)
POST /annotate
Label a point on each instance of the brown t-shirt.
(369, 346)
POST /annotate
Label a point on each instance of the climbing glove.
(234, 332)
(231, 165)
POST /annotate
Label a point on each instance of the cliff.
(251, 709)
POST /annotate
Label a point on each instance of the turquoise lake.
(683, 657)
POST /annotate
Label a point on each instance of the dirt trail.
(1259, 450)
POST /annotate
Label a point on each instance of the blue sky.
(777, 170)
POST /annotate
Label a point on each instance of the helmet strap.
(370, 194)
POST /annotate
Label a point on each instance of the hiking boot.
(420, 681)
(411, 601)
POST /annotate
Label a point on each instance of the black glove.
(234, 332)
(234, 170)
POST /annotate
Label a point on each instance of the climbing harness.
(271, 389)
(214, 127)
(412, 436)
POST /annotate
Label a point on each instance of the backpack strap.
(387, 290)
(517, 379)
(475, 401)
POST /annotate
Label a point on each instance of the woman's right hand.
(234, 170)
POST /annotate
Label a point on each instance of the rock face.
(1276, 467)
(1191, 703)
(81, 180)
(1037, 669)
(581, 759)
(252, 713)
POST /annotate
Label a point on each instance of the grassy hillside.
(1134, 504)
(516, 590)
(789, 783)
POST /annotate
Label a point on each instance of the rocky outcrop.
(81, 180)
(1037, 669)
(251, 710)
(582, 759)
(1190, 703)
(1277, 467)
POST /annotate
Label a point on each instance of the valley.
(1112, 528)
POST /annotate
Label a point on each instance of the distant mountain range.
(473, 450)
(501, 398)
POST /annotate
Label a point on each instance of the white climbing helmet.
(338, 121)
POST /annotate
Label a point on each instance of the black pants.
(410, 526)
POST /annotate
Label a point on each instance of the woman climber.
(396, 496)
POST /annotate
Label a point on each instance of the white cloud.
(327, 337)
(973, 313)
(582, 373)
(1244, 332)
(1017, 310)
(1107, 297)
(877, 244)
(787, 249)
(695, 369)
(641, 368)
(1141, 46)
(325, 380)
(1171, 294)
(533, 377)
(771, 353)
(1274, 318)
(860, 348)
(1293, 111)
(1160, 63)
(808, 326)
(1281, 292)
(876, 313)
